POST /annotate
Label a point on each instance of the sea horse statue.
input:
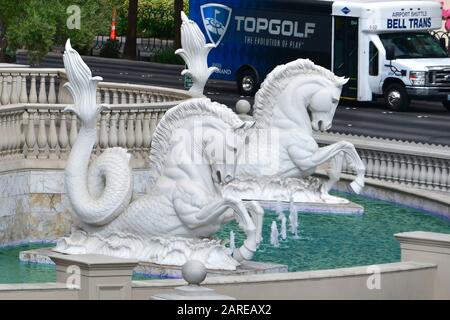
(185, 206)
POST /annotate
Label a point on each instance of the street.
(425, 122)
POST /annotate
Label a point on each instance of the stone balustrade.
(36, 133)
(410, 164)
(45, 132)
(45, 86)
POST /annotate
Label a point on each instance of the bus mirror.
(390, 53)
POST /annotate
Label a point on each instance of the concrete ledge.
(406, 280)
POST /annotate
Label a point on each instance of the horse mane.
(276, 82)
(174, 118)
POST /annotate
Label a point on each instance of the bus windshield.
(413, 45)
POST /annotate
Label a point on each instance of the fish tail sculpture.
(195, 54)
(101, 192)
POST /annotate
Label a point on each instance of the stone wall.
(34, 206)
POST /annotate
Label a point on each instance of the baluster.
(123, 97)
(33, 91)
(152, 98)
(437, 175)
(376, 165)
(416, 172)
(31, 135)
(103, 131)
(1, 88)
(139, 136)
(153, 123)
(23, 91)
(402, 174)
(113, 136)
(138, 98)
(15, 145)
(107, 97)
(369, 166)
(444, 175)
(73, 134)
(63, 137)
(3, 136)
(122, 132)
(146, 134)
(409, 171)
(42, 136)
(131, 98)
(52, 90)
(382, 172)
(52, 136)
(42, 90)
(396, 169)
(21, 119)
(145, 98)
(423, 173)
(115, 97)
(160, 115)
(14, 99)
(5, 91)
(430, 173)
(389, 167)
(131, 139)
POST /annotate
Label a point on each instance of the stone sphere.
(194, 272)
(243, 107)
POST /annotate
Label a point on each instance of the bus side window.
(373, 59)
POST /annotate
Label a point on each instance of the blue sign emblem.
(216, 18)
(345, 10)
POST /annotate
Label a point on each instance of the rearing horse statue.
(295, 100)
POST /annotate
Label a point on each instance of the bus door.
(346, 54)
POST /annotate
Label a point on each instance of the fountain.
(293, 218)
(203, 163)
(274, 235)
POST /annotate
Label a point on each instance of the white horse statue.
(294, 100)
(194, 152)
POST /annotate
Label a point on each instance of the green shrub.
(111, 49)
(167, 56)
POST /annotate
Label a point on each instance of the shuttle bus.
(384, 47)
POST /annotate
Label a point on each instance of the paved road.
(426, 122)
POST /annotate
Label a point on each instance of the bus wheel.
(446, 104)
(396, 98)
(247, 82)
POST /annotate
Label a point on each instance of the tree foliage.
(37, 25)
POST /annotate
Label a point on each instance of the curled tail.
(98, 193)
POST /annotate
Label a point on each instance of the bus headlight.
(417, 78)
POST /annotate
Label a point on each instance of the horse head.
(323, 103)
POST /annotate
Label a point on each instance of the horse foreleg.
(307, 160)
(257, 214)
(334, 175)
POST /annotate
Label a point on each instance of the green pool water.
(326, 241)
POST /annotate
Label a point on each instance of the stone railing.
(411, 164)
(34, 127)
(45, 86)
(45, 132)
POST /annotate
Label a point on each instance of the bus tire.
(446, 104)
(247, 82)
(396, 98)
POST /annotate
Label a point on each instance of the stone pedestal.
(433, 248)
(97, 277)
